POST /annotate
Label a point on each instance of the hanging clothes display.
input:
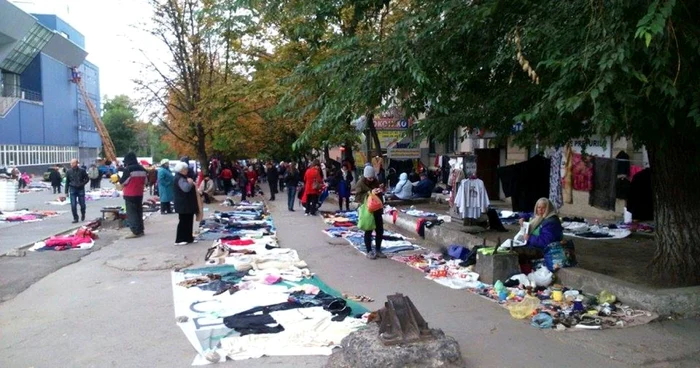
(472, 199)
(456, 177)
(602, 193)
(582, 173)
(568, 175)
(622, 186)
(526, 182)
(640, 196)
(445, 167)
(555, 192)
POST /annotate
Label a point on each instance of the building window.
(451, 143)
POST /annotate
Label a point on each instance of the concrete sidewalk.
(94, 313)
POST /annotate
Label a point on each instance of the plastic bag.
(555, 257)
(541, 277)
(365, 219)
(374, 203)
(542, 320)
(525, 308)
(606, 297)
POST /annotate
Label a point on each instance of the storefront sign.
(597, 146)
(391, 123)
(404, 153)
(389, 137)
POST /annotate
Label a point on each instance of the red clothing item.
(67, 241)
(237, 241)
(226, 174)
(312, 175)
(343, 224)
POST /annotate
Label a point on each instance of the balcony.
(11, 96)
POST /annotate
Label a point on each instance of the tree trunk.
(676, 196)
(373, 136)
(202, 149)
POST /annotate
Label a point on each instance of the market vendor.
(545, 228)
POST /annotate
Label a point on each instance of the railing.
(24, 94)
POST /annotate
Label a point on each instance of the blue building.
(43, 118)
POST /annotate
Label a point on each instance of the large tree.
(569, 70)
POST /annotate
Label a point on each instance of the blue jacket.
(404, 188)
(165, 184)
(550, 232)
(424, 188)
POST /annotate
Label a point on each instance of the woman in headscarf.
(165, 186)
(403, 189)
(545, 227)
(186, 204)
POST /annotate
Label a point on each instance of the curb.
(27, 246)
(683, 302)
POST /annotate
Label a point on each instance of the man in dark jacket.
(76, 179)
(133, 181)
(424, 188)
(55, 179)
(273, 178)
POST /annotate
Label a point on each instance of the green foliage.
(119, 117)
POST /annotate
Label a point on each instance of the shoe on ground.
(75, 221)
(182, 243)
(372, 255)
(82, 218)
(306, 214)
(132, 236)
(380, 254)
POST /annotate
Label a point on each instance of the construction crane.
(107, 145)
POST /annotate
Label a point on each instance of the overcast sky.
(112, 36)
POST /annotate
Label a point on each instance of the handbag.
(316, 185)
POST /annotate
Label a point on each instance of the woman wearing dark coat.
(186, 205)
(344, 184)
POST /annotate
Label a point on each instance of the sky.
(113, 37)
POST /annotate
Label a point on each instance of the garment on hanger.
(582, 173)
(472, 199)
(622, 185)
(568, 175)
(526, 182)
(640, 196)
(456, 177)
(602, 193)
(555, 192)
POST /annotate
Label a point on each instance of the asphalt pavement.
(20, 234)
(114, 308)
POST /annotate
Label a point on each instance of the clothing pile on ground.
(344, 225)
(36, 186)
(27, 216)
(581, 229)
(255, 299)
(533, 296)
(82, 238)
(94, 195)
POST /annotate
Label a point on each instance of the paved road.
(89, 314)
(14, 235)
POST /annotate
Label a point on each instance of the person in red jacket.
(226, 176)
(313, 185)
(133, 181)
(252, 177)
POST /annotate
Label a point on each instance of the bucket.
(8, 195)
